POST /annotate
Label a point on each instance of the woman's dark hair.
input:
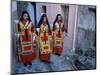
(57, 18)
(25, 12)
(41, 21)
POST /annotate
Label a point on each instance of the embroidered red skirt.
(44, 57)
(28, 57)
(57, 50)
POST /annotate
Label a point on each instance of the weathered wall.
(85, 28)
(13, 28)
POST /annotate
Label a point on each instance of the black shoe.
(30, 63)
(25, 64)
(58, 54)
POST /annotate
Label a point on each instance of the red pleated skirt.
(44, 57)
(57, 50)
(28, 58)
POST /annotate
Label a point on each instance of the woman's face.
(25, 16)
(44, 19)
(59, 18)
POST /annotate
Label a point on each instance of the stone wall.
(85, 28)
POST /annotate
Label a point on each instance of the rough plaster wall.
(71, 26)
(39, 11)
(21, 7)
(13, 31)
(30, 10)
(85, 28)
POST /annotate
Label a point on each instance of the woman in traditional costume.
(26, 39)
(44, 39)
(57, 32)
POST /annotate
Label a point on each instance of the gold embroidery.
(43, 44)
